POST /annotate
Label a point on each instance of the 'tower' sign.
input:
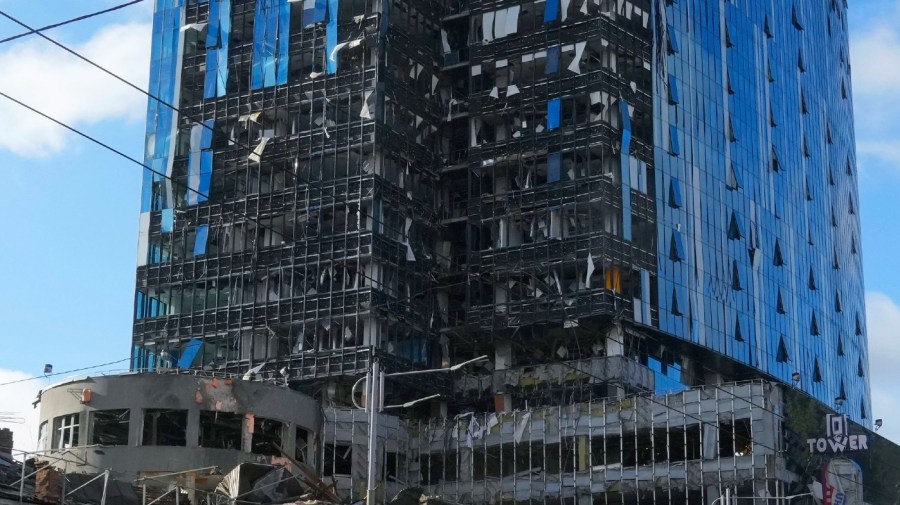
(838, 438)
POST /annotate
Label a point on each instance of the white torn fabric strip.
(520, 427)
(194, 26)
(501, 63)
(595, 97)
(349, 44)
(590, 271)
(410, 255)
(476, 70)
(256, 155)
(365, 112)
(495, 93)
(575, 66)
(434, 82)
(564, 8)
(512, 90)
(583, 8)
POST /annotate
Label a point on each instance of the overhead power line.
(63, 373)
(69, 21)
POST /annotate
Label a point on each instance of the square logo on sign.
(838, 426)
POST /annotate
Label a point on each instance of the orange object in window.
(86, 395)
(614, 279)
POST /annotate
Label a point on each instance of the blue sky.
(70, 209)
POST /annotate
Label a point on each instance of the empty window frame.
(338, 460)
(735, 439)
(65, 431)
(302, 446)
(110, 427)
(165, 427)
(220, 430)
(267, 438)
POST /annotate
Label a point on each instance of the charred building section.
(299, 227)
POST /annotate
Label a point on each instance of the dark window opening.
(220, 430)
(267, 438)
(110, 427)
(301, 446)
(165, 427)
(338, 460)
(735, 439)
(782, 355)
(394, 464)
(437, 467)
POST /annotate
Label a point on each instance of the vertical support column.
(372, 406)
(615, 346)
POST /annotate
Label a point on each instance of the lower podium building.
(185, 434)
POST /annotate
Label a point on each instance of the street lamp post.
(375, 404)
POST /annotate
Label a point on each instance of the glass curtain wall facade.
(759, 253)
(670, 182)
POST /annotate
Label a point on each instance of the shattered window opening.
(221, 430)
(164, 427)
(110, 427)
(267, 436)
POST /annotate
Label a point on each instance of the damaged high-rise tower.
(607, 197)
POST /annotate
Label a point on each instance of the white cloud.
(883, 321)
(17, 402)
(57, 83)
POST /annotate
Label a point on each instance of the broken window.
(735, 439)
(438, 467)
(110, 427)
(220, 430)
(65, 432)
(301, 445)
(338, 460)
(267, 438)
(164, 427)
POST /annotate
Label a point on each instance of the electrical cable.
(69, 21)
(63, 373)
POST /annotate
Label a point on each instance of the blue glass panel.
(313, 11)
(674, 141)
(551, 10)
(189, 353)
(206, 137)
(626, 127)
(201, 239)
(554, 162)
(168, 221)
(206, 168)
(675, 199)
(283, 42)
(553, 113)
(260, 56)
(552, 66)
(331, 36)
(673, 90)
